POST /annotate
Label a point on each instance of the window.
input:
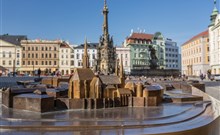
(29, 48)
(77, 56)
(36, 48)
(23, 62)
(3, 54)
(29, 55)
(55, 55)
(46, 49)
(67, 62)
(18, 55)
(72, 56)
(3, 62)
(23, 48)
(18, 62)
(62, 63)
(93, 56)
(9, 62)
(36, 55)
(32, 62)
(46, 56)
(49, 48)
(78, 63)
(55, 48)
(50, 63)
(49, 55)
(42, 62)
(42, 48)
(126, 63)
(55, 62)
(46, 63)
(72, 62)
(42, 55)
(32, 55)
(9, 54)
(36, 62)
(29, 63)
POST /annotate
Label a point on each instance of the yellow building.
(41, 54)
(195, 55)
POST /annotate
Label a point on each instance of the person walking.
(39, 72)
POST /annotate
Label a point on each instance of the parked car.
(217, 77)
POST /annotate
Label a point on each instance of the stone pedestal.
(33, 102)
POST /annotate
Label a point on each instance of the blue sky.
(72, 20)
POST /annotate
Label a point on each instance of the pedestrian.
(39, 72)
(201, 76)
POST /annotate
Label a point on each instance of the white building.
(214, 42)
(172, 55)
(65, 57)
(10, 52)
(79, 51)
(124, 53)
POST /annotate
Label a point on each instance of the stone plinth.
(33, 102)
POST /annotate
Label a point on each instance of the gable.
(6, 44)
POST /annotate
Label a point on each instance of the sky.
(73, 20)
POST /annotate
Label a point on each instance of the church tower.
(85, 56)
(214, 14)
(106, 52)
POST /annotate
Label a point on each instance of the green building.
(139, 44)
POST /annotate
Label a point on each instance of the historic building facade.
(195, 55)
(79, 54)
(41, 54)
(139, 47)
(214, 41)
(10, 52)
(124, 53)
(65, 58)
(106, 52)
(172, 55)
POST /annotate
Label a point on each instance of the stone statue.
(153, 61)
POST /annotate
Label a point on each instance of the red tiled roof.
(203, 34)
(141, 36)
